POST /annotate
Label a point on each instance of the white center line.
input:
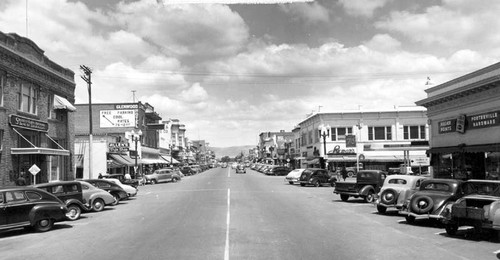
(228, 221)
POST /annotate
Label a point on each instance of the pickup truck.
(366, 186)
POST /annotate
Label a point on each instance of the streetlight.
(324, 131)
(171, 146)
(136, 138)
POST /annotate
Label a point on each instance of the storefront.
(465, 125)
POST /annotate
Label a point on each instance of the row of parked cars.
(40, 206)
(451, 203)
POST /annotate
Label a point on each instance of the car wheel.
(98, 205)
(174, 179)
(421, 204)
(410, 219)
(344, 197)
(153, 181)
(291, 182)
(369, 198)
(117, 199)
(44, 225)
(316, 183)
(350, 174)
(381, 209)
(388, 196)
(451, 229)
(302, 184)
(73, 212)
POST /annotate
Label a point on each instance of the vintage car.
(240, 169)
(96, 197)
(131, 191)
(316, 177)
(131, 182)
(366, 186)
(115, 190)
(23, 206)
(479, 208)
(396, 190)
(431, 200)
(163, 175)
(294, 176)
(70, 192)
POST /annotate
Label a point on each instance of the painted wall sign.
(447, 126)
(118, 118)
(337, 150)
(28, 123)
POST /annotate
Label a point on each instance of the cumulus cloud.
(195, 94)
(308, 12)
(364, 8)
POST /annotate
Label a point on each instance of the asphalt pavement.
(219, 214)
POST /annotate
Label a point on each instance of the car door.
(17, 207)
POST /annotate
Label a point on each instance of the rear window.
(437, 187)
(33, 195)
(15, 196)
(397, 181)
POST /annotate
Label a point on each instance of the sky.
(232, 71)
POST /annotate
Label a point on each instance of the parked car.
(367, 184)
(278, 170)
(479, 208)
(432, 199)
(115, 190)
(396, 190)
(97, 198)
(131, 191)
(23, 206)
(223, 165)
(316, 177)
(70, 192)
(293, 176)
(240, 169)
(163, 175)
(131, 182)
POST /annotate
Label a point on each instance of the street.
(222, 215)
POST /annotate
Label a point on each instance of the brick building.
(36, 119)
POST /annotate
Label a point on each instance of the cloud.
(309, 12)
(195, 94)
(364, 8)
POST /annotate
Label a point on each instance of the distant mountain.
(231, 151)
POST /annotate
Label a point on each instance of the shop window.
(492, 165)
(414, 132)
(379, 133)
(339, 133)
(28, 98)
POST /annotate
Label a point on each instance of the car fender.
(364, 191)
(77, 202)
(53, 211)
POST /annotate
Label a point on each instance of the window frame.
(420, 133)
(30, 92)
(373, 134)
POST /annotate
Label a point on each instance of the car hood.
(294, 174)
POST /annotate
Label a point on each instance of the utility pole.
(87, 78)
(133, 96)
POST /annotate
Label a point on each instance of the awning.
(62, 103)
(123, 159)
(466, 148)
(342, 159)
(313, 161)
(39, 150)
(169, 159)
(113, 164)
(153, 161)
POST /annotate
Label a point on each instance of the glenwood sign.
(337, 151)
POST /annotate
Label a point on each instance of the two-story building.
(373, 139)
(36, 114)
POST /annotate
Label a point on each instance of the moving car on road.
(240, 169)
(30, 207)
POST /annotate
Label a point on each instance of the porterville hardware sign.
(483, 120)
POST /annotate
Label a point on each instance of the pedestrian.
(343, 172)
(21, 181)
(100, 176)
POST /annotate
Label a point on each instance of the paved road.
(222, 215)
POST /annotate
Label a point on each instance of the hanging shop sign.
(28, 123)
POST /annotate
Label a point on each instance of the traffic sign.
(34, 169)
